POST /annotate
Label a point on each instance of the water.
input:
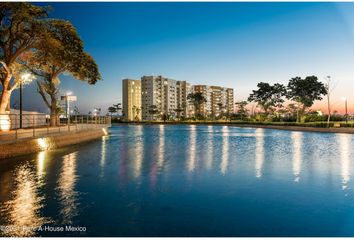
(185, 181)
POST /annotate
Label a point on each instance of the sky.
(230, 44)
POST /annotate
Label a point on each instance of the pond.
(184, 180)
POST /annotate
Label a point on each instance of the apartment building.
(220, 100)
(131, 99)
(156, 96)
(185, 107)
(206, 108)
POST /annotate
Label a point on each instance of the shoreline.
(245, 125)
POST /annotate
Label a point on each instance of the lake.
(184, 180)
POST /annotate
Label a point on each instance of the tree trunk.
(53, 112)
(5, 95)
(5, 123)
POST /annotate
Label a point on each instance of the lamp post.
(346, 109)
(25, 78)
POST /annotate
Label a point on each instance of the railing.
(12, 127)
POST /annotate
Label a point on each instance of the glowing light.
(5, 123)
(259, 152)
(105, 131)
(26, 78)
(41, 164)
(42, 143)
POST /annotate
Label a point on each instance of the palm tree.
(197, 99)
(153, 110)
(112, 110)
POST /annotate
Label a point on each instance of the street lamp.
(346, 109)
(26, 78)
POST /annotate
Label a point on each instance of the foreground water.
(184, 181)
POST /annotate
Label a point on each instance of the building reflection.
(68, 197)
(210, 148)
(259, 151)
(23, 210)
(344, 141)
(138, 152)
(225, 150)
(191, 164)
(103, 155)
(297, 154)
(161, 148)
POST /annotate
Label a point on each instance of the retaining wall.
(26, 146)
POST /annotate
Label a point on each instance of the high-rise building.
(185, 107)
(205, 108)
(219, 100)
(164, 96)
(131, 99)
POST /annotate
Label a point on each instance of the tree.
(241, 108)
(112, 110)
(179, 110)
(20, 31)
(61, 53)
(197, 99)
(304, 92)
(153, 110)
(136, 112)
(268, 97)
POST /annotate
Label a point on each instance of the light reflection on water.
(68, 196)
(145, 180)
(22, 212)
(297, 158)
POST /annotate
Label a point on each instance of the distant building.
(219, 100)
(132, 109)
(155, 97)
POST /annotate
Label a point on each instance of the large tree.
(197, 100)
(61, 53)
(241, 108)
(268, 97)
(21, 30)
(304, 92)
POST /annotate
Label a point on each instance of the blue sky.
(229, 44)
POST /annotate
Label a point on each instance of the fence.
(38, 125)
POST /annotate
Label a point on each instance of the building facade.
(132, 109)
(219, 100)
(158, 97)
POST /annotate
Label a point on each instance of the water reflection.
(210, 148)
(161, 149)
(68, 197)
(138, 152)
(41, 159)
(259, 151)
(103, 155)
(297, 154)
(23, 210)
(225, 150)
(192, 148)
(344, 141)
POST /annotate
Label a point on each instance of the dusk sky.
(228, 44)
